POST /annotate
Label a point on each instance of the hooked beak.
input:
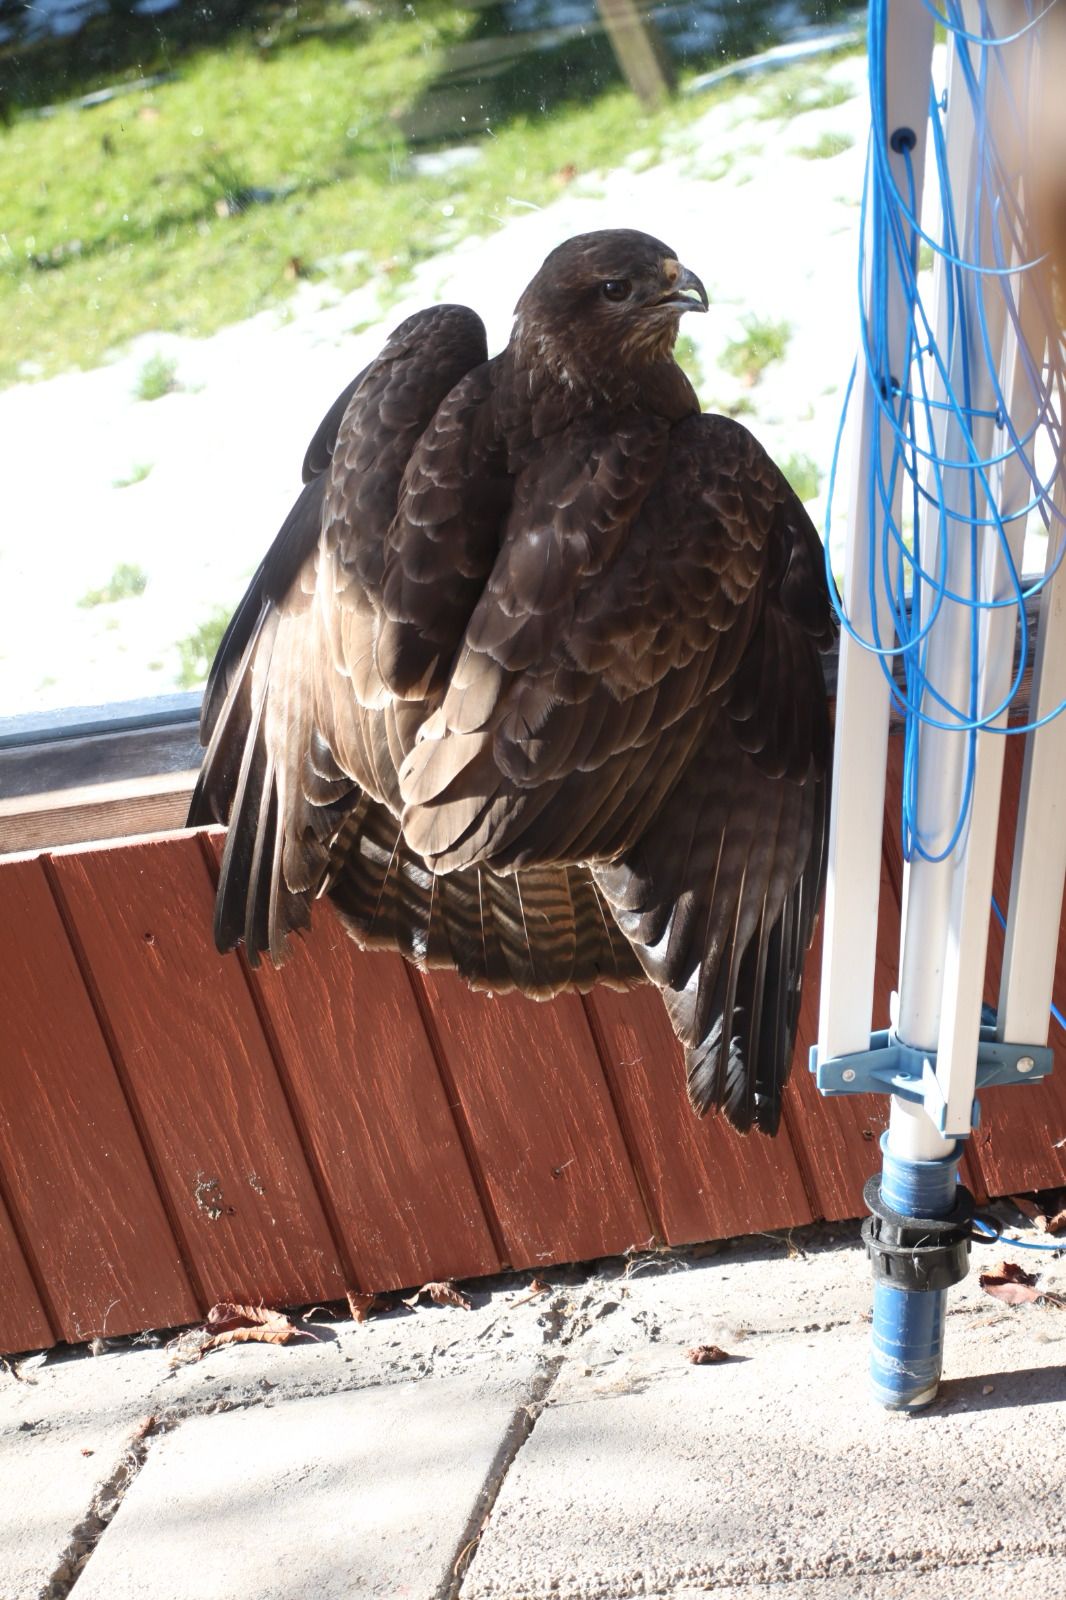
(685, 292)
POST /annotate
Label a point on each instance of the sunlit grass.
(197, 650)
(829, 145)
(202, 201)
(137, 474)
(792, 90)
(156, 378)
(804, 474)
(125, 583)
(688, 359)
(764, 342)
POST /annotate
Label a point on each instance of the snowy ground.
(771, 230)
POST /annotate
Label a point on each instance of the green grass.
(764, 342)
(136, 474)
(803, 474)
(792, 90)
(830, 95)
(197, 650)
(688, 359)
(183, 207)
(125, 583)
(829, 145)
(156, 378)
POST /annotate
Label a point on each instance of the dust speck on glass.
(211, 216)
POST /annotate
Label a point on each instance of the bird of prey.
(529, 681)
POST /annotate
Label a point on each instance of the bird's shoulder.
(724, 499)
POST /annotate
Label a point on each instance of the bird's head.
(605, 304)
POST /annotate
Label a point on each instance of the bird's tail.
(540, 931)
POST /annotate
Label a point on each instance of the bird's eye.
(615, 288)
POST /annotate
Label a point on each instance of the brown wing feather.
(272, 685)
(593, 656)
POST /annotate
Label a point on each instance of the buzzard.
(529, 681)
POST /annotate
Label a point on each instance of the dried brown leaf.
(446, 1294)
(1028, 1208)
(362, 1306)
(706, 1355)
(232, 1324)
(1009, 1282)
(442, 1294)
(1057, 1223)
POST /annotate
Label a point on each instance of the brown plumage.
(528, 682)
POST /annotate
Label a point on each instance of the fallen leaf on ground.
(1057, 1223)
(1009, 1282)
(231, 1324)
(362, 1306)
(706, 1355)
(442, 1294)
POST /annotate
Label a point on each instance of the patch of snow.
(438, 163)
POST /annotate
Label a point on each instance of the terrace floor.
(554, 1446)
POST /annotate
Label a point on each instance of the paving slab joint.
(518, 1431)
(105, 1503)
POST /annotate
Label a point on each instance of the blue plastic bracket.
(892, 1067)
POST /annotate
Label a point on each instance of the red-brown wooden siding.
(176, 1128)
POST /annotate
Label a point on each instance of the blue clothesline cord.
(1001, 919)
(989, 1235)
(931, 413)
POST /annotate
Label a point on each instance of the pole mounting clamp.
(917, 1253)
(890, 1066)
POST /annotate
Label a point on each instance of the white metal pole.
(1035, 911)
(973, 864)
(862, 704)
(930, 886)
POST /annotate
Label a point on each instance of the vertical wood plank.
(704, 1180)
(74, 1168)
(1021, 1142)
(541, 1122)
(24, 1323)
(837, 1139)
(199, 1070)
(374, 1111)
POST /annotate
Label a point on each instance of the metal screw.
(1025, 1063)
(848, 1074)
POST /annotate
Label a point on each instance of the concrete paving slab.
(1043, 1578)
(649, 1476)
(367, 1493)
(65, 1433)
